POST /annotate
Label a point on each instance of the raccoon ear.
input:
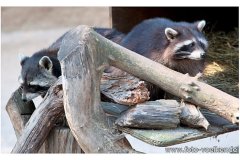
(22, 58)
(46, 63)
(170, 33)
(200, 25)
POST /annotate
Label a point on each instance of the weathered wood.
(84, 55)
(41, 122)
(168, 137)
(164, 114)
(81, 73)
(183, 86)
(158, 114)
(192, 117)
(110, 33)
(124, 89)
(60, 140)
(19, 111)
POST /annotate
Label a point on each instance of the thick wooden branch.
(19, 111)
(82, 69)
(84, 55)
(41, 122)
(184, 86)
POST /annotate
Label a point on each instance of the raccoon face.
(36, 76)
(187, 42)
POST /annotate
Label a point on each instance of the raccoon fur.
(180, 46)
(42, 69)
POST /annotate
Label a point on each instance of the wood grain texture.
(82, 64)
(41, 122)
(192, 117)
(163, 114)
(180, 85)
(124, 89)
(60, 140)
(19, 111)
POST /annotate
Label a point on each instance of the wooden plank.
(168, 137)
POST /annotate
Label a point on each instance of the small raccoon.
(180, 46)
(42, 69)
(38, 73)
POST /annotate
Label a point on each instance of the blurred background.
(29, 29)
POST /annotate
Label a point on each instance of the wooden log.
(160, 114)
(19, 112)
(183, 86)
(124, 89)
(192, 117)
(41, 122)
(84, 55)
(81, 73)
(164, 114)
(60, 140)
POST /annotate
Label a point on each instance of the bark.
(19, 111)
(41, 122)
(60, 140)
(123, 89)
(192, 117)
(180, 85)
(82, 68)
(163, 114)
(84, 55)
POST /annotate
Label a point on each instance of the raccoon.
(180, 46)
(38, 73)
(42, 69)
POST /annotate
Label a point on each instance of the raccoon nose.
(203, 55)
(24, 98)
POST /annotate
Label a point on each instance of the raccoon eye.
(39, 88)
(192, 44)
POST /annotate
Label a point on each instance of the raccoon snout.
(24, 98)
(203, 55)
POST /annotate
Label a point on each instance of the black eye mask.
(38, 88)
(184, 51)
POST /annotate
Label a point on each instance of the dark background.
(217, 18)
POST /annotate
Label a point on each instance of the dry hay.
(222, 64)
